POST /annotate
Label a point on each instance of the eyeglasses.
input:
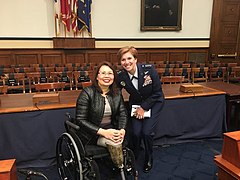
(104, 73)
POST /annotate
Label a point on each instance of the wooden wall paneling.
(113, 58)
(97, 57)
(5, 59)
(142, 57)
(26, 59)
(158, 57)
(198, 57)
(51, 59)
(53, 56)
(229, 32)
(177, 56)
(225, 28)
(75, 58)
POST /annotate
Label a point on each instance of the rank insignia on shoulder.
(119, 72)
(146, 65)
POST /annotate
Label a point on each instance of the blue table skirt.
(31, 137)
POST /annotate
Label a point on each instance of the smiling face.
(105, 76)
(129, 63)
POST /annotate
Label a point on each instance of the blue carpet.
(185, 161)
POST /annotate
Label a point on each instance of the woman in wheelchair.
(101, 115)
(100, 110)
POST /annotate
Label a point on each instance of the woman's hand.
(139, 113)
(114, 135)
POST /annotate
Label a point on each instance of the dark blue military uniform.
(149, 96)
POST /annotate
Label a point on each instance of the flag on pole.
(88, 14)
(74, 7)
(84, 15)
(57, 17)
(66, 13)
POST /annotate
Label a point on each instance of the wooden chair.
(233, 75)
(165, 71)
(117, 66)
(66, 77)
(167, 65)
(183, 65)
(73, 65)
(4, 70)
(81, 76)
(38, 65)
(232, 64)
(172, 79)
(199, 74)
(212, 65)
(217, 73)
(47, 70)
(197, 65)
(36, 78)
(3, 89)
(185, 72)
(55, 86)
(24, 69)
(157, 64)
(63, 69)
(15, 81)
(86, 84)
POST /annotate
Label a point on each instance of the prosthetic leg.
(116, 154)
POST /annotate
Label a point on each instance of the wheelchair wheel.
(68, 158)
(129, 164)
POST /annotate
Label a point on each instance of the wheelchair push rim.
(68, 158)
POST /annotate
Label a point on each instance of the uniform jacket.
(149, 94)
(90, 109)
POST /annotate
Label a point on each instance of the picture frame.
(161, 15)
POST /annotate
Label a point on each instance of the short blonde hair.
(126, 49)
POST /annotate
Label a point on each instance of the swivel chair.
(76, 161)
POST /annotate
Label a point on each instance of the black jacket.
(90, 109)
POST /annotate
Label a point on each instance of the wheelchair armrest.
(72, 125)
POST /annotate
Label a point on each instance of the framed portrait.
(161, 15)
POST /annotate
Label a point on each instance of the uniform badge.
(147, 80)
(123, 83)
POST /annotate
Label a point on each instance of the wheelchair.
(76, 161)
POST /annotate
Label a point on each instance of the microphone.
(28, 173)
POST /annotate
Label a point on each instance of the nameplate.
(45, 98)
(191, 88)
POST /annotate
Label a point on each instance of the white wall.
(110, 19)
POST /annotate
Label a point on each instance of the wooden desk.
(11, 103)
(171, 91)
(232, 95)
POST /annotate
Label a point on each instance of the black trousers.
(143, 130)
